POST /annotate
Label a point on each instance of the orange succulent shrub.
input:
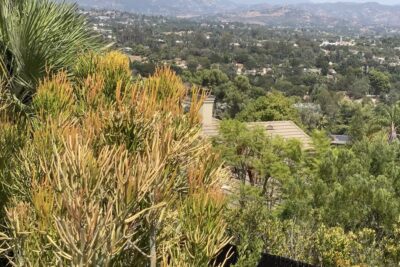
(80, 204)
(150, 114)
(110, 168)
(201, 230)
(54, 95)
(112, 67)
(91, 91)
(43, 200)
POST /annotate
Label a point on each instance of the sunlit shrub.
(201, 229)
(106, 160)
(391, 248)
(113, 68)
(54, 95)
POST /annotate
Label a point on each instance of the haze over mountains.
(176, 7)
(268, 12)
(322, 14)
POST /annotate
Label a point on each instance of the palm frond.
(41, 36)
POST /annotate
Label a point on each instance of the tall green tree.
(388, 118)
(360, 88)
(380, 82)
(272, 107)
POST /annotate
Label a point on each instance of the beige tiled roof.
(285, 129)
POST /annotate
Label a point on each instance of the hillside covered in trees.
(102, 164)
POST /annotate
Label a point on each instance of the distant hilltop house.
(180, 33)
(394, 64)
(127, 49)
(284, 129)
(338, 43)
(265, 71)
(374, 99)
(308, 107)
(332, 72)
(181, 63)
(240, 70)
(380, 60)
(312, 70)
(252, 72)
(137, 58)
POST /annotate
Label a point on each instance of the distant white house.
(265, 71)
(338, 43)
(312, 70)
(239, 68)
(181, 63)
(252, 72)
(332, 72)
(137, 58)
(127, 49)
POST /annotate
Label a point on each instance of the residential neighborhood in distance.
(195, 133)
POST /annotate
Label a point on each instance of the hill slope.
(290, 13)
(164, 7)
(325, 15)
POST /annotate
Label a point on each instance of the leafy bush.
(108, 170)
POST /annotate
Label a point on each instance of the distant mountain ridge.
(320, 14)
(275, 12)
(164, 7)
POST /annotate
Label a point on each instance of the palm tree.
(388, 117)
(36, 37)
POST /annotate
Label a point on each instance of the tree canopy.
(272, 107)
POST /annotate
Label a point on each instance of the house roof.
(285, 129)
(340, 139)
(134, 58)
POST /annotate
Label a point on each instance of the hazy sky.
(387, 2)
